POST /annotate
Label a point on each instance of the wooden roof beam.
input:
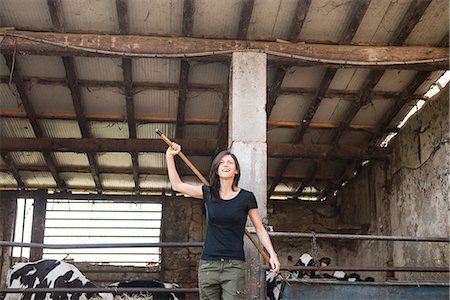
(31, 115)
(182, 98)
(122, 15)
(65, 44)
(299, 19)
(56, 14)
(244, 21)
(188, 17)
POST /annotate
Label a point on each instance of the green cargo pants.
(221, 279)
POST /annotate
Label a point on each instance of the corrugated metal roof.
(37, 179)
(41, 66)
(317, 136)
(334, 12)
(349, 79)
(90, 16)
(224, 15)
(7, 180)
(15, 127)
(156, 103)
(98, 68)
(372, 113)
(50, 98)
(104, 101)
(212, 73)
(271, 19)
(355, 138)
(8, 101)
(27, 158)
(424, 87)
(200, 131)
(203, 105)
(155, 182)
(152, 160)
(395, 80)
(300, 166)
(114, 159)
(77, 180)
(25, 14)
(158, 17)
(4, 70)
(60, 128)
(280, 135)
(156, 70)
(71, 159)
(309, 77)
(117, 181)
(428, 31)
(332, 110)
(148, 131)
(290, 108)
(112, 130)
(380, 21)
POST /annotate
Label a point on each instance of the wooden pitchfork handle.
(205, 182)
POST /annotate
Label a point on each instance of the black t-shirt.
(226, 223)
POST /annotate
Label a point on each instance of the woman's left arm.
(264, 239)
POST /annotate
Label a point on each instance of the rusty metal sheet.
(326, 289)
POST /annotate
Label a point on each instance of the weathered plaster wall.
(407, 197)
(418, 182)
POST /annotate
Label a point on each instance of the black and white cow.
(274, 285)
(47, 273)
(147, 284)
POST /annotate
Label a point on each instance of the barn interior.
(341, 124)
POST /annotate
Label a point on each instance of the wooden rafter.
(244, 21)
(31, 115)
(12, 168)
(299, 19)
(65, 44)
(182, 97)
(188, 17)
(127, 65)
(56, 15)
(355, 20)
(222, 131)
(412, 16)
(72, 83)
(122, 15)
(198, 147)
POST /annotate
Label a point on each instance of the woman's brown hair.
(214, 182)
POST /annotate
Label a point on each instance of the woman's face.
(227, 167)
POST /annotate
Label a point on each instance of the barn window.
(97, 222)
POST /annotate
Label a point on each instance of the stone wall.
(407, 197)
(7, 218)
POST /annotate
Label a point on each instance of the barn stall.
(337, 109)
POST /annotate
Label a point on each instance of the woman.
(221, 269)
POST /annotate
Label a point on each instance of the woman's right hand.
(173, 149)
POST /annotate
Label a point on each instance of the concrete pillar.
(247, 140)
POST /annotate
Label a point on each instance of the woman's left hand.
(274, 264)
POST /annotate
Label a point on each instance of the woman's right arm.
(175, 180)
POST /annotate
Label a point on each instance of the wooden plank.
(38, 223)
(46, 43)
(122, 15)
(56, 14)
(188, 17)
